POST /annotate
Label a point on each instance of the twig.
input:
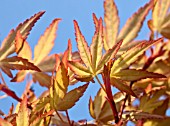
(68, 118)
(100, 84)
(59, 116)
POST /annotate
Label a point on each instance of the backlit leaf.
(41, 49)
(78, 68)
(97, 45)
(71, 98)
(134, 75)
(9, 92)
(98, 103)
(160, 10)
(130, 56)
(19, 76)
(62, 79)
(108, 55)
(23, 116)
(4, 122)
(95, 20)
(22, 47)
(43, 79)
(47, 64)
(83, 47)
(133, 25)
(111, 19)
(8, 47)
(91, 108)
(121, 86)
(18, 63)
(166, 26)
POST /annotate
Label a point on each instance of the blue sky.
(14, 12)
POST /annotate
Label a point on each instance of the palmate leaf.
(133, 25)
(134, 75)
(112, 21)
(22, 118)
(7, 46)
(41, 59)
(158, 122)
(93, 56)
(130, 56)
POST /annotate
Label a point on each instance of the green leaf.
(71, 98)
(122, 86)
(97, 45)
(83, 47)
(108, 55)
(130, 56)
(41, 49)
(23, 116)
(133, 25)
(4, 122)
(112, 21)
(134, 75)
(8, 46)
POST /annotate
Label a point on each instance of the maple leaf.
(8, 46)
(93, 60)
(128, 32)
(60, 99)
(41, 58)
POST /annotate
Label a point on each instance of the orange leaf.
(41, 49)
(22, 47)
(83, 46)
(119, 84)
(4, 122)
(18, 63)
(112, 20)
(7, 46)
(97, 45)
(22, 118)
(133, 25)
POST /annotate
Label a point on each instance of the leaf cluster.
(142, 80)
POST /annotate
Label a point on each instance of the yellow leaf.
(111, 19)
(23, 116)
(41, 49)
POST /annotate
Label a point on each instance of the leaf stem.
(126, 97)
(100, 84)
(68, 118)
(59, 116)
